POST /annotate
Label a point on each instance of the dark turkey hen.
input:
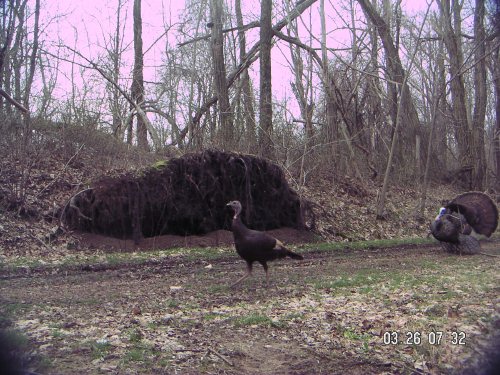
(255, 246)
(466, 212)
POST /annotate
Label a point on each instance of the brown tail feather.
(284, 252)
(293, 255)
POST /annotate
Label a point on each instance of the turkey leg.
(249, 272)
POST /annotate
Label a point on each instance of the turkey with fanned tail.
(456, 220)
(255, 246)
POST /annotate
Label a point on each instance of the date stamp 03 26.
(432, 337)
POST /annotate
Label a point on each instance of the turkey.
(254, 246)
(465, 213)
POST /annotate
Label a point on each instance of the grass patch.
(256, 319)
(57, 333)
(173, 304)
(352, 335)
(10, 310)
(366, 244)
(141, 353)
(213, 316)
(253, 319)
(135, 335)
(294, 316)
(135, 355)
(100, 348)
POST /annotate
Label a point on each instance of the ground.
(73, 303)
(336, 312)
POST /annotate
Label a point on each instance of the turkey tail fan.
(479, 210)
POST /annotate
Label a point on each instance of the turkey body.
(256, 246)
(465, 213)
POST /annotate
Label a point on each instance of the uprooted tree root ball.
(187, 196)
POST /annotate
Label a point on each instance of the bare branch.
(14, 102)
(249, 26)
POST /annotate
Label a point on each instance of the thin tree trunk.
(248, 98)
(496, 140)
(9, 25)
(137, 89)
(265, 104)
(330, 107)
(219, 69)
(434, 115)
(480, 98)
(33, 57)
(115, 55)
(195, 140)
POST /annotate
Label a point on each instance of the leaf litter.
(335, 312)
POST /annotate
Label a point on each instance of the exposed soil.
(325, 315)
(217, 238)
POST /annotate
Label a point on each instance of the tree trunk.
(248, 98)
(451, 36)
(137, 89)
(195, 137)
(8, 27)
(330, 106)
(480, 99)
(115, 57)
(442, 121)
(303, 95)
(33, 57)
(423, 198)
(265, 104)
(219, 69)
(496, 140)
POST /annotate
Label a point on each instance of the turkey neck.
(239, 229)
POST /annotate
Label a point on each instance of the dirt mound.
(187, 196)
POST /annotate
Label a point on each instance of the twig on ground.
(210, 350)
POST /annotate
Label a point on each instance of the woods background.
(374, 93)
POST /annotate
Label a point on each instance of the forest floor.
(405, 309)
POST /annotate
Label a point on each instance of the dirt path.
(328, 314)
